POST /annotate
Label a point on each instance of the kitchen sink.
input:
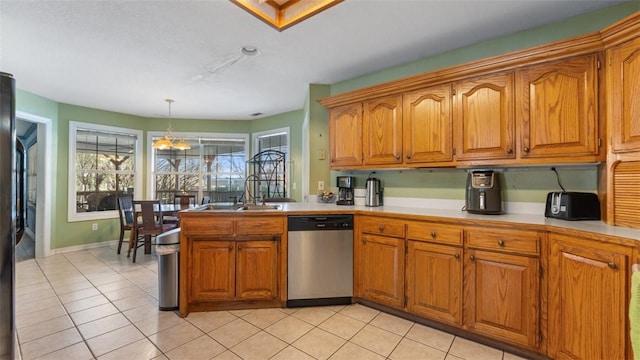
(250, 207)
(237, 207)
(221, 206)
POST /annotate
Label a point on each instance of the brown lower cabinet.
(434, 281)
(382, 270)
(230, 270)
(231, 262)
(502, 296)
(489, 283)
(587, 299)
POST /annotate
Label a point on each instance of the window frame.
(255, 141)
(72, 215)
(150, 181)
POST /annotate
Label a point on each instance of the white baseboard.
(83, 247)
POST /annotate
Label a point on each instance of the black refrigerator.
(7, 216)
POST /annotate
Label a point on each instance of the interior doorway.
(38, 133)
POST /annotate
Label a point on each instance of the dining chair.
(150, 211)
(125, 211)
(184, 200)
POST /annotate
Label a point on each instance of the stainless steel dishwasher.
(320, 260)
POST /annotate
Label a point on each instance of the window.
(272, 175)
(104, 162)
(214, 168)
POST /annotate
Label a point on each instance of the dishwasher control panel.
(320, 222)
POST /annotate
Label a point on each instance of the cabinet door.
(624, 102)
(502, 296)
(382, 131)
(257, 270)
(382, 274)
(213, 270)
(484, 118)
(558, 107)
(434, 281)
(587, 303)
(427, 125)
(345, 135)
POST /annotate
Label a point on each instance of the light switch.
(322, 154)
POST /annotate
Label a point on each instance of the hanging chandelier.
(166, 142)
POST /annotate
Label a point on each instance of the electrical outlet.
(320, 185)
(293, 186)
(94, 226)
(322, 155)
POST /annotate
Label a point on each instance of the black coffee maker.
(484, 192)
(346, 184)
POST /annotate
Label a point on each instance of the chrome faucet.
(247, 191)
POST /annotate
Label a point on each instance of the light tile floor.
(95, 304)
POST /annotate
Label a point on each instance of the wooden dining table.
(168, 211)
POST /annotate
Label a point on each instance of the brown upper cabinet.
(540, 105)
(427, 125)
(345, 136)
(484, 118)
(382, 131)
(543, 113)
(558, 109)
(624, 102)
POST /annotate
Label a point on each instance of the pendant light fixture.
(166, 142)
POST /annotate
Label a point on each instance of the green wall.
(578, 25)
(523, 185)
(64, 233)
(37, 105)
(293, 120)
(318, 139)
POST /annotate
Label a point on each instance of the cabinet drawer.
(513, 241)
(381, 226)
(260, 226)
(433, 232)
(206, 226)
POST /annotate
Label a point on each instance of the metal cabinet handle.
(501, 242)
(472, 258)
(612, 265)
(433, 234)
(457, 256)
(381, 227)
(230, 247)
(239, 247)
(526, 149)
(408, 157)
(509, 151)
(397, 157)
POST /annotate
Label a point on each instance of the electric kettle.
(373, 195)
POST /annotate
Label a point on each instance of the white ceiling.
(128, 56)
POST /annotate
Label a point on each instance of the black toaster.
(567, 205)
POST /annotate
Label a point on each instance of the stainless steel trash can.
(168, 251)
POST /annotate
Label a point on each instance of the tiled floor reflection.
(96, 304)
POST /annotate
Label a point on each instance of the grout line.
(109, 262)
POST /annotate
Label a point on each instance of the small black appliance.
(484, 192)
(346, 184)
(568, 205)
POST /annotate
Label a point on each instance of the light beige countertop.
(597, 227)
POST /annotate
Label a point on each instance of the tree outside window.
(103, 162)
